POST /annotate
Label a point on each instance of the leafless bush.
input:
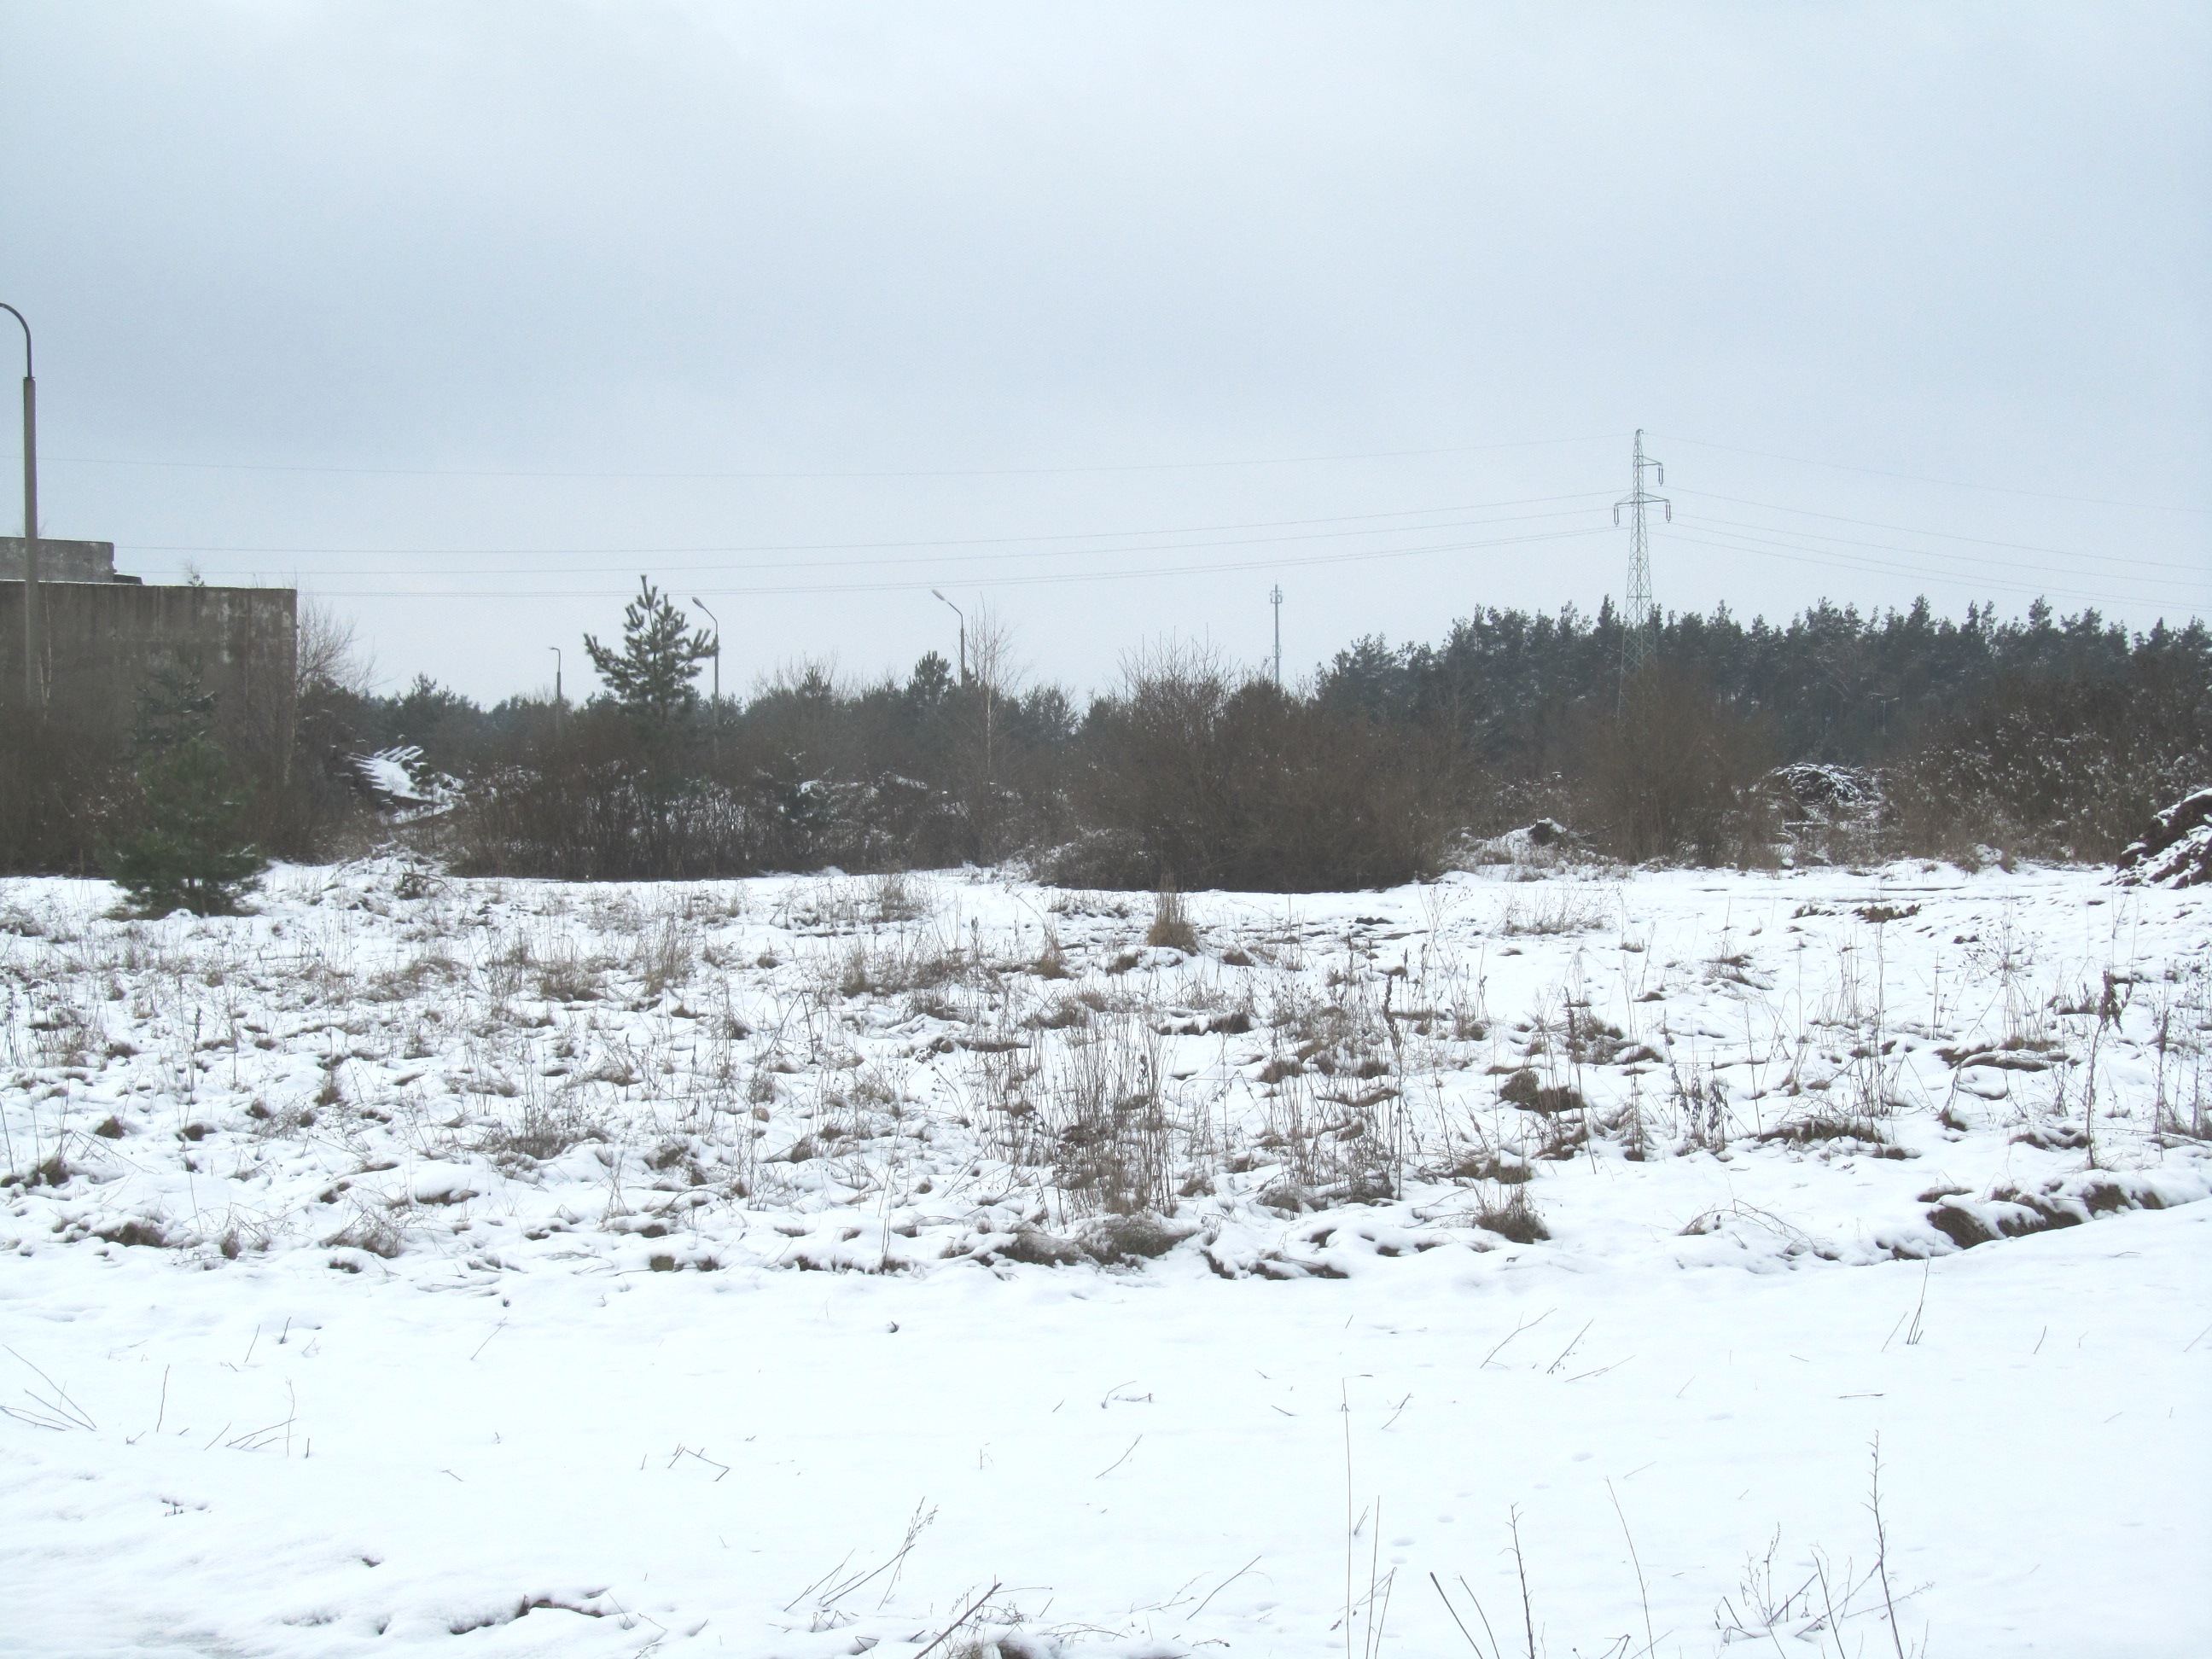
(2052, 767)
(2181, 1106)
(64, 792)
(1193, 775)
(1674, 774)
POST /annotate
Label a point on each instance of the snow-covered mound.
(1823, 793)
(399, 780)
(1545, 844)
(2176, 851)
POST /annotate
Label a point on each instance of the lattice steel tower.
(1640, 621)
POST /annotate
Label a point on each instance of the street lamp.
(31, 698)
(717, 620)
(556, 650)
(963, 615)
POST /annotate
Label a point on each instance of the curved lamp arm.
(33, 703)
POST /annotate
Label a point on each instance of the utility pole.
(716, 728)
(1275, 599)
(559, 703)
(1640, 620)
(963, 615)
(717, 620)
(33, 704)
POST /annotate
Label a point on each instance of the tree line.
(1837, 734)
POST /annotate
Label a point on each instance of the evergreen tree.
(930, 684)
(650, 675)
(192, 852)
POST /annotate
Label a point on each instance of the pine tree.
(651, 676)
(192, 853)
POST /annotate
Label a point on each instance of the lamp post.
(716, 728)
(557, 700)
(717, 620)
(1275, 599)
(963, 615)
(32, 701)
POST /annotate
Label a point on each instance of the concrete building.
(62, 561)
(103, 638)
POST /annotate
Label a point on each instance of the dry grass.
(1508, 1212)
(1172, 928)
(934, 1069)
(567, 975)
(668, 952)
(1550, 908)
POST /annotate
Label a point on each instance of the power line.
(942, 542)
(1075, 469)
(888, 472)
(1971, 581)
(1734, 526)
(919, 583)
(1945, 535)
(1144, 541)
(958, 558)
(1922, 478)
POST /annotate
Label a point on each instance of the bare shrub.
(328, 655)
(1194, 775)
(1675, 773)
(65, 791)
(2066, 766)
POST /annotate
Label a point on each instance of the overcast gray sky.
(1110, 317)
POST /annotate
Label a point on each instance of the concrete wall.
(61, 561)
(101, 642)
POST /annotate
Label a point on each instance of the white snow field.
(928, 1264)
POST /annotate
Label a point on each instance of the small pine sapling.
(650, 675)
(192, 852)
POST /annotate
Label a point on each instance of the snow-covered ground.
(793, 1266)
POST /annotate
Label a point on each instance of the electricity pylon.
(1640, 620)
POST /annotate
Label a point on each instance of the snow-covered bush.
(2176, 851)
